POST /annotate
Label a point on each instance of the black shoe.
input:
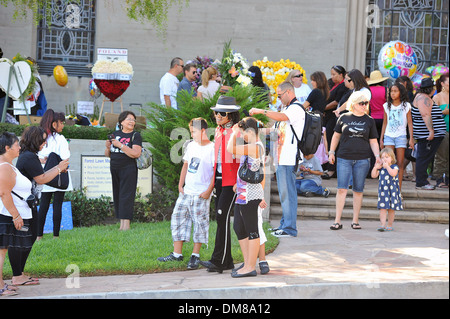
(249, 274)
(264, 267)
(171, 257)
(210, 266)
(193, 262)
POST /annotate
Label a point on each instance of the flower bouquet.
(112, 77)
(233, 68)
(202, 63)
(275, 73)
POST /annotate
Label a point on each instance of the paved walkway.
(410, 262)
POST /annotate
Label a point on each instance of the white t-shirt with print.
(302, 93)
(200, 171)
(169, 86)
(287, 143)
(396, 119)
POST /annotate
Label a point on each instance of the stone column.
(356, 35)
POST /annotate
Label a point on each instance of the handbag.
(62, 180)
(145, 160)
(32, 201)
(249, 176)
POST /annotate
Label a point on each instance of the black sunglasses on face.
(365, 103)
(298, 76)
(223, 114)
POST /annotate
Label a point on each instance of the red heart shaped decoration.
(112, 89)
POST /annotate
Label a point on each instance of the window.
(69, 38)
(423, 24)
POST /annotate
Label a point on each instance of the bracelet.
(14, 219)
(59, 170)
(121, 147)
(332, 152)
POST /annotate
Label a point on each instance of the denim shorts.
(346, 169)
(397, 142)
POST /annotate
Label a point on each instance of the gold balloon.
(60, 75)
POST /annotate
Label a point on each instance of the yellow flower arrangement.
(274, 73)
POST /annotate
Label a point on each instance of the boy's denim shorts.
(397, 142)
(347, 169)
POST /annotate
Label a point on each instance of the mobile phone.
(24, 228)
(111, 137)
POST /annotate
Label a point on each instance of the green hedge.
(69, 131)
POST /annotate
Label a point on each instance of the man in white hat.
(291, 119)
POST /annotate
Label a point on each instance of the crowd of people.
(368, 126)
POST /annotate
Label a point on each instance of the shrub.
(69, 131)
(87, 212)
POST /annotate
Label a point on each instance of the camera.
(111, 137)
(32, 201)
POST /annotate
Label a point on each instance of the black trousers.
(58, 199)
(425, 155)
(18, 256)
(124, 184)
(221, 256)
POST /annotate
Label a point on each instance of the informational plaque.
(96, 177)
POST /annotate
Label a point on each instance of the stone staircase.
(419, 205)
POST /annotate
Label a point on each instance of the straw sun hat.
(376, 77)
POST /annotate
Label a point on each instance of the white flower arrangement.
(112, 70)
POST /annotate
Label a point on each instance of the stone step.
(439, 195)
(419, 205)
(323, 212)
(368, 202)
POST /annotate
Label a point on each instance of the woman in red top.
(226, 113)
(378, 88)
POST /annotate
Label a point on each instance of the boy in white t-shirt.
(195, 187)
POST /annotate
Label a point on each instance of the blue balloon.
(394, 72)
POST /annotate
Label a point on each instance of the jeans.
(425, 154)
(308, 185)
(288, 198)
(352, 169)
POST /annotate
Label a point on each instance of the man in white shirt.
(168, 86)
(301, 90)
(286, 158)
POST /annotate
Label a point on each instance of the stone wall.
(316, 34)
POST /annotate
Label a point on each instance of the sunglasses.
(298, 76)
(223, 114)
(365, 103)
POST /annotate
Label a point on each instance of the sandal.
(355, 226)
(389, 228)
(336, 226)
(381, 228)
(6, 291)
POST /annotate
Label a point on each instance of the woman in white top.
(209, 85)
(397, 119)
(53, 123)
(15, 214)
(248, 196)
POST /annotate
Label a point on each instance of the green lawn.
(104, 250)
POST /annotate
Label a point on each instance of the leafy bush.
(87, 212)
(69, 131)
(154, 207)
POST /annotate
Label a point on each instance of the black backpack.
(312, 133)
